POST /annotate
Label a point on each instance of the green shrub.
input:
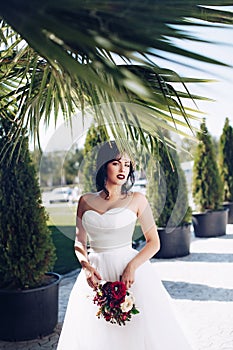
(226, 161)
(167, 188)
(26, 248)
(95, 136)
(207, 187)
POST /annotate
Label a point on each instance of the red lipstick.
(121, 177)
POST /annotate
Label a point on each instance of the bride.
(107, 219)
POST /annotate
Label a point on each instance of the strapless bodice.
(111, 230)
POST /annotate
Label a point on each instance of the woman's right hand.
(92, 276)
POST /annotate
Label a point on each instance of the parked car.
(60, 194)
(139, 186)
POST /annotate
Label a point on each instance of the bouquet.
(116, 303)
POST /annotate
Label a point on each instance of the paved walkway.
(201, 286)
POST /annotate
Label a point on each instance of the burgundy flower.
(112, 299)
(115, 291)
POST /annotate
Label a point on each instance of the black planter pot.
(229, 206)
(210, 223)
(29, 314)
(175, 243)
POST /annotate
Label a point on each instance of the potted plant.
(28, 296)
(211, 218)
(226, 167)
(167, 194)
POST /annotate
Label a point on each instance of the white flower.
(128, 303)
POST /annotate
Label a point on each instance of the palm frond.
(73, 57)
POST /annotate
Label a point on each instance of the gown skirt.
(154, 328)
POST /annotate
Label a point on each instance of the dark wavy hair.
(109, 152)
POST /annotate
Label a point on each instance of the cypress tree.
(95, 136)
(226, 161)
(26, 248)
(71, 164)
(166, 178)
(207, 187)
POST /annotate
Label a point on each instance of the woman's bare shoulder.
(87, 199)
(140, 201)
(138, 196)
(88, 195)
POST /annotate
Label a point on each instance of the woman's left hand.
(128, 276)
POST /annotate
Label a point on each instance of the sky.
(221, 90)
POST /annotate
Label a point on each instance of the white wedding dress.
(154, 328)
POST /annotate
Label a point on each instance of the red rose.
(115, 291)
(119, 290)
